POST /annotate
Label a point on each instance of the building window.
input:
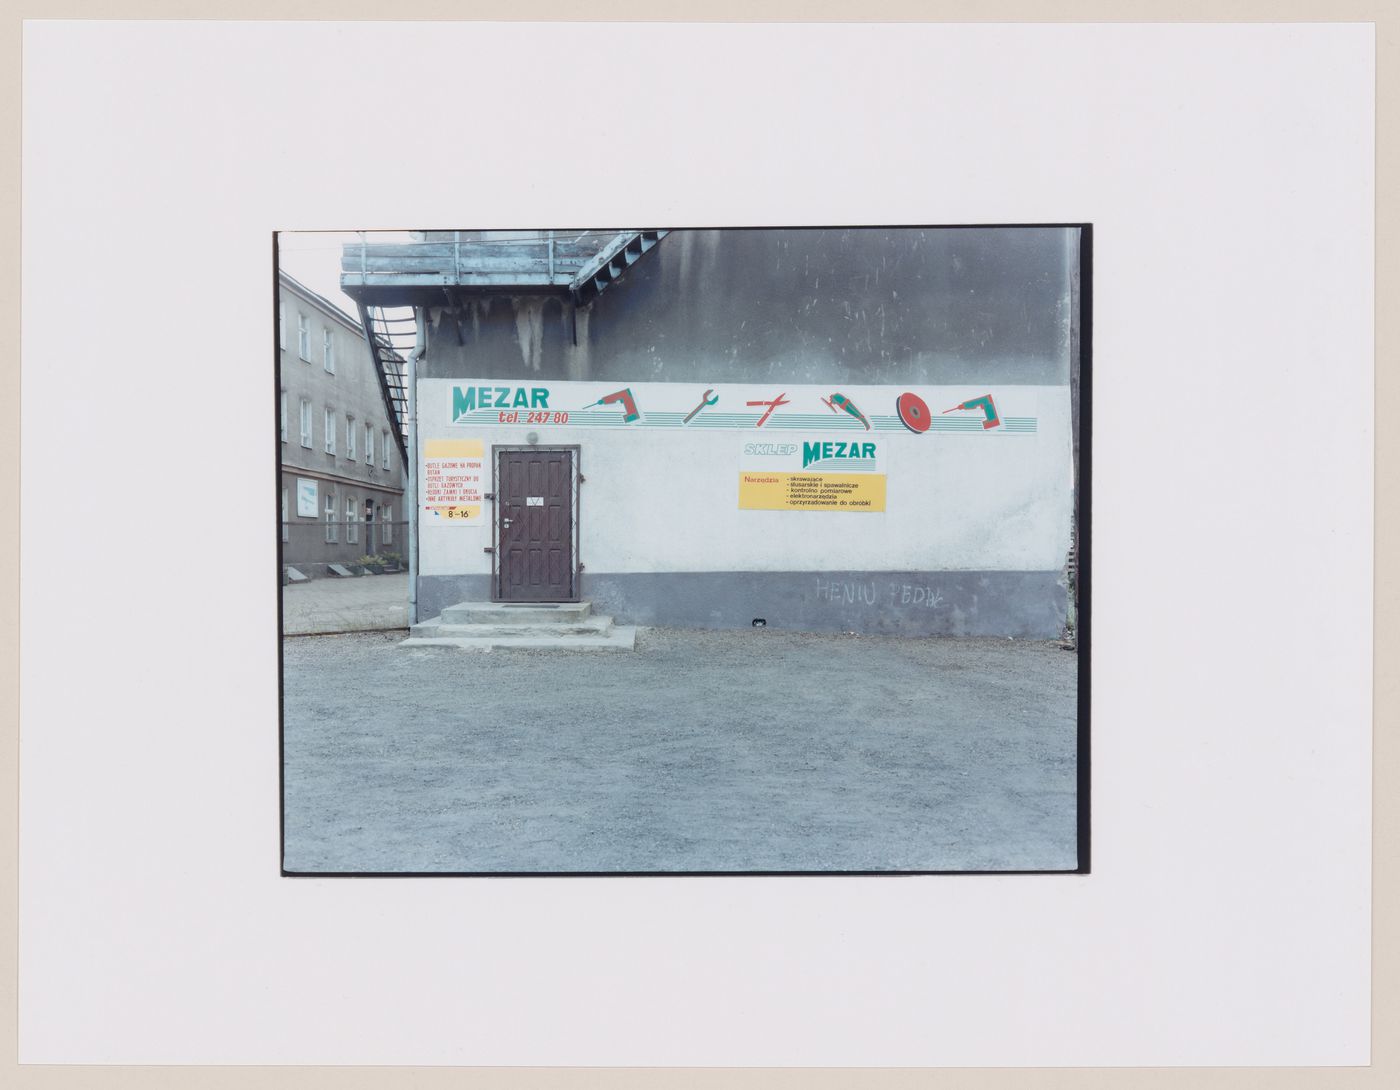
(303, 337)
(284, 515)
(352, 525)
(282, 409)
(327, 351)
(388, 521)
(281, 327)
(306, 423)
(332, 531)
(330, 431)
(385, 437)
(369, 444)
(349, 437)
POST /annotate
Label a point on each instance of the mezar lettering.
(814, 452)
(467, 398)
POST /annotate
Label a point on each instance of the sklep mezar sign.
(813, 475)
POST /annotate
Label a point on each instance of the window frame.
(303, 337)
(332, 527)
(352, 522)
(308, 425)
(328, 444)
(327, 350)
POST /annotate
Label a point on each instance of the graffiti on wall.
(877, 592)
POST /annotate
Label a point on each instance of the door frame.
(575, 452)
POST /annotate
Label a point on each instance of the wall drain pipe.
(420, 346)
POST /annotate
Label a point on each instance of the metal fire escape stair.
(390, 334)
(621, 252)
(396, 277)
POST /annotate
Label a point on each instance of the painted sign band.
(684, 406)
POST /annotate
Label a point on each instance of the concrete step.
(434, 628)
(513, 613)
(620, 638)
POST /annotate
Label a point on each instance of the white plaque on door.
(534, 501)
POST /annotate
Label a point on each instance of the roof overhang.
(431, 273)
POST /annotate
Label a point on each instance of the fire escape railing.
(621, 252)
(390, 334)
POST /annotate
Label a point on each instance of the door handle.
(505, 523)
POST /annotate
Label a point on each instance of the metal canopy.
(578, 265)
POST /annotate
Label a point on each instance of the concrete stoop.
(489, 626)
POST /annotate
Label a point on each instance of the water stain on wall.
(529, 329)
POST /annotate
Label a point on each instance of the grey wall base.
(1027, 605)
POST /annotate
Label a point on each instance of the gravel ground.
(702, 751)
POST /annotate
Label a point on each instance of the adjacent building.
(342, 472)
(859, 430)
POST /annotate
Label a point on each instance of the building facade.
(857, 430)
(342, 475)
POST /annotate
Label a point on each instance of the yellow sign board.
(799, 474)
(452, 481)
(811, 491)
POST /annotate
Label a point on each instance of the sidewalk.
(363, 604)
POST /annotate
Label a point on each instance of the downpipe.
(420, 346)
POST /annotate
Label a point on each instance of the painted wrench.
(705, 400)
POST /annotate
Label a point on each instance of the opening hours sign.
(452, 481)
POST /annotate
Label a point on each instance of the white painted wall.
(667, 501)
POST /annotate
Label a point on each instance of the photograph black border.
(1082, 524)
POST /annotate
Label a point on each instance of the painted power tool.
(840, 402)
(623, 398)
(986, 404)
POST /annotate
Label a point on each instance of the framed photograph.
(720, 551)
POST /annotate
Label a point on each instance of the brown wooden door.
(534, 528)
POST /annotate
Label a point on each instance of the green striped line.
(743, 421)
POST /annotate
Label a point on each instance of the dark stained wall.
(923, 306)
